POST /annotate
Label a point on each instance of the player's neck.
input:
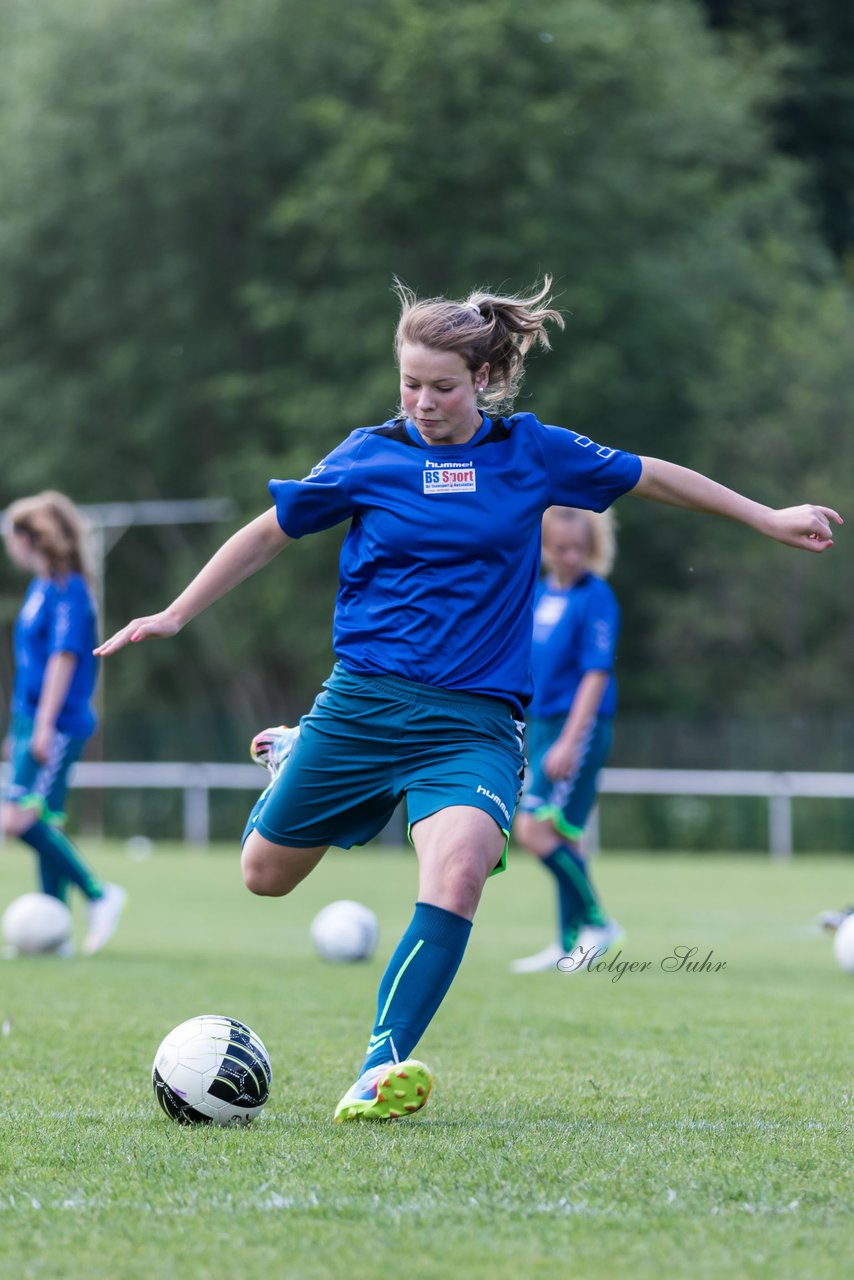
(563, 581)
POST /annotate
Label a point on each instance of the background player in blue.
(52, 715)
(570, 721)
(432, 633)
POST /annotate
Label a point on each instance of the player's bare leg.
(273, 870)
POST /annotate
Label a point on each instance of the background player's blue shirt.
(575, 631)
(57, 616)
(440, 563)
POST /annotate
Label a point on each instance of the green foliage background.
(202, 206)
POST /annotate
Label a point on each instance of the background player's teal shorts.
(370, 740)
(568, 801)
(40, 784)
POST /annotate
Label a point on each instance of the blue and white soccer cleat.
(104, 915)
(271, 747)
(600, 938)
(388, 1092)
(541, 961)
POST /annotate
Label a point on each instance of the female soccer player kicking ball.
(570, 723)
(52, 715)
(432, 634)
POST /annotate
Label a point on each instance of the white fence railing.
(197, 781)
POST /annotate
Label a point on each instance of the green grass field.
(660, 1125)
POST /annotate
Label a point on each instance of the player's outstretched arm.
(243, 554)
(808, 526)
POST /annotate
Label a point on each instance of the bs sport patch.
(450, 477)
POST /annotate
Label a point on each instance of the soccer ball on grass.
(36, 924)
(345, 931)
(212, 1070)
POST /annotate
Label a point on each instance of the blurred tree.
(814, 111)
(201, 210)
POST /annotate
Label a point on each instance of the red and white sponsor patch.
(450, 480)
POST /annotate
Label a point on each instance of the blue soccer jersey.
(57, 616)
(575, 631)
(439, 566)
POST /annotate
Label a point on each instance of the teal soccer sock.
(578, 904)
(416, 981)
(53, 884)
(60, 860)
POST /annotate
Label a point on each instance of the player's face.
(566, 549)
(438, 393)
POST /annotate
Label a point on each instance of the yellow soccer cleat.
(388, 1092)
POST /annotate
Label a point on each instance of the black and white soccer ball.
(212, 1070)
(36, 924)
(344, 932)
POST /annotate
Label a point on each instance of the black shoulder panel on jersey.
(501, 430)
(396, 431)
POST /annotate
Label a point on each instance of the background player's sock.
(415, 982)
(60, 860)
(578, 904)
(52, 882)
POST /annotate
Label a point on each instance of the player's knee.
(460, 885)
(16, 819)
(534, 834)
(467, 889)
(522, 830)
(261, 873)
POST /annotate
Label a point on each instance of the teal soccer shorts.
(368, 741)
(567, 801)
(36, 784)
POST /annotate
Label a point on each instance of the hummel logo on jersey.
(450, 477)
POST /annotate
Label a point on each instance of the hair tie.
(475, 307)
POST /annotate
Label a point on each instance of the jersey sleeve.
(600, 631)
(323, 498)
(71, 629)
(583, 473)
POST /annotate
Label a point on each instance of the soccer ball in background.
(345, 931)
(36, 924)
(843, 944)
(212, 1070)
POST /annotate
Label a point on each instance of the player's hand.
(158, 626)
(808, 527)
(41, 742)
(560, 760)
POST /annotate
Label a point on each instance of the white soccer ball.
(345, 931)
(36, 924)
(212, 1070)
(843, 944)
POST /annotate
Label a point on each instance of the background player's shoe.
(600, 938)
(831, 920)
(543, 960)
(104, 915)
(271, 747)
(388, 1092)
